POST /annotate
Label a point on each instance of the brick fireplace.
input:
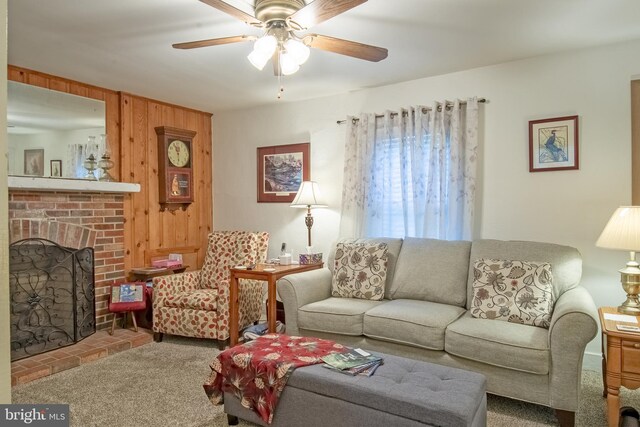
(76, 220)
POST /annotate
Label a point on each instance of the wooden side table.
(620, 361)
(271, 276)
(148, 273)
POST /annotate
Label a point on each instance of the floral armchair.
(196, 303)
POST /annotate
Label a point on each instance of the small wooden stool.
(127, 298)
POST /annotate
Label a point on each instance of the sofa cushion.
(411, 322)
(336, 315)
(566, 262)
(513, 291)
(509, 345)
(201, 299)
(432, 270)
(359, 271)
(393, 250)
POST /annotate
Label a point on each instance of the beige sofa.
(425, 315)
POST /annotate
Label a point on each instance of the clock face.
(178, 153)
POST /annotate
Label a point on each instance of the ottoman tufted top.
(420, 391)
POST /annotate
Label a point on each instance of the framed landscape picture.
(281, 170)
(34, 162)
(553, 144)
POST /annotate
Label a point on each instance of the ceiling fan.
(280, 19)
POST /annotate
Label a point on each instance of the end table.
(268, 273)
(620, 361)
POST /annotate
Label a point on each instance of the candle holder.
(105, 164)
(90, 165)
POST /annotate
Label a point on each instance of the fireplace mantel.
(62, 184)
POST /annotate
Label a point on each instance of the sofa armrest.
(300, 289)
(172, 284)
(573, 324)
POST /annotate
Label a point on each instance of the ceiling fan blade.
(236, 13)
(346, 47)
(213, 42)
(319, 11)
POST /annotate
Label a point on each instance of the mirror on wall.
(51, 133)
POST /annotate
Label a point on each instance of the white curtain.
(411, 173)
(77, 154)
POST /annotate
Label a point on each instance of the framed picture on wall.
(553, 144)
(281, 170)
(34, 162)
(56, 168)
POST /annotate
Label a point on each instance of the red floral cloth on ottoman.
(256, 372)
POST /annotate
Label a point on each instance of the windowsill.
(66, 184)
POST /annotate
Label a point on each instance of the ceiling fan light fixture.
(263, 49)
(298, 50)
(266, 45)
(257, 59)
(288, 64)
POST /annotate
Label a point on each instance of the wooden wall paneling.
(144, 167)
(59, 85)
(156, 239)
(190, 234)
(79, 90)
(635, 142)
(127, 173)
(16, 74)
(205, 182)
(133, 171)
(37, 79)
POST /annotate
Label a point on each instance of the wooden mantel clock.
(175, 167)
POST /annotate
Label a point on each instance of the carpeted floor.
(160, 384)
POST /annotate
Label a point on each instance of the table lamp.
(308, 197)
(623, 232)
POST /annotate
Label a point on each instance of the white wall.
(55, 145)
(5, 341)
(566, 207)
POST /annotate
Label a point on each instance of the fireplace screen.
(52, 296)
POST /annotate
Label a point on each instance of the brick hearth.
(92, 348)
(76, 220)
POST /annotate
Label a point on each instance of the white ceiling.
(126, 44)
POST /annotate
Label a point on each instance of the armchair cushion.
(164, 286)
(201, 299)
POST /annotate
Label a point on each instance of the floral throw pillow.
(360, 271)
(514, 291)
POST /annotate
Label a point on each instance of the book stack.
(354, 361)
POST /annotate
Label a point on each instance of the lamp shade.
(308, 196)
(623, 230)
(298, 50)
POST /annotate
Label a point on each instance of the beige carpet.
(160, 384)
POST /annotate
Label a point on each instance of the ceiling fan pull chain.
(281, 91)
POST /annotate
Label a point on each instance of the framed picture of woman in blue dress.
(553, 144)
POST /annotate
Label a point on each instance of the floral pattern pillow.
(513, 291)
(360, 271)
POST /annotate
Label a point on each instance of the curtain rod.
(424, 110)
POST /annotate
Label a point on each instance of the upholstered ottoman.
(402, 392)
